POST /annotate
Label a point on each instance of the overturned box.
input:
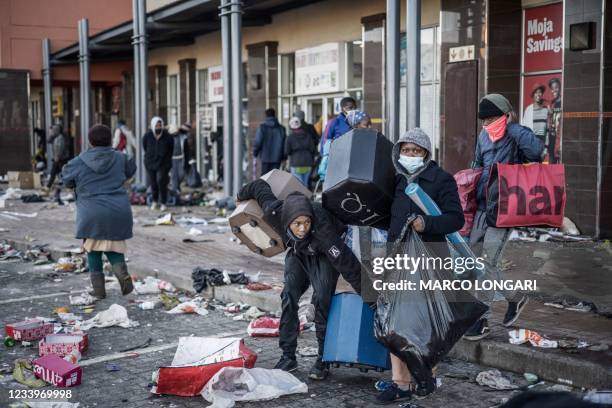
(25, 180)
(62, 344)
(57, 371)
(197, 360)
(28, 330)
(247, 219)
(360, 180)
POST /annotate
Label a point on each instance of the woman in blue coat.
(104, 216)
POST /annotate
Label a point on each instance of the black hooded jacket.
(325, 233)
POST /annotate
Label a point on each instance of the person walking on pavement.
(335, 128)
(317, 255)
(413, 163)
(158, 146)
(300, 150)
(270, 142)
(103, 212)
(124, 140)
(61, 155)
(308, 127)
(180, 155)
(501, 140)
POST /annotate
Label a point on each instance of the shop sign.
(458, 54)
(543, 38)
(319, 69)
(215, 84)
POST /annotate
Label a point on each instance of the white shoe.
(162, 208)
(154, 206)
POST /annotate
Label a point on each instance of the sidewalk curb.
(548, 366)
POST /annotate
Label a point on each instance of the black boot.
(97, 282)
(286, 363)
(124, 278)
(319, 370)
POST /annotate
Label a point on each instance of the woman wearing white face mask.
(413, 163)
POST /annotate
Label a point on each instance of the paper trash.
(521, 336)
(116, 315)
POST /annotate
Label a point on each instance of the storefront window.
(287, 62)
(173, 108)
(354, 64)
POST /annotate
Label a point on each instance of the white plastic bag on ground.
(233, 384)
(116, 315)
(151, 286)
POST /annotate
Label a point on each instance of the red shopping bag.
(467, 184)
(520, 195)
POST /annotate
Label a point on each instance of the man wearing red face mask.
(501, 140)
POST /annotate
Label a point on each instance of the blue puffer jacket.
(270, 141)
(519, 145)
(102, 206)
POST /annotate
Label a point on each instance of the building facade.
(308, 55)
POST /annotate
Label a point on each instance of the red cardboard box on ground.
(197, 360)
(62, 344)
(57, 371)
(28, 330)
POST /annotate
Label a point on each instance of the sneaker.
(382, 385)
(163, 208)
(478, 331)
(514, 311)
(393, 394)
(319, 370)
(286, 364)
(154, 206)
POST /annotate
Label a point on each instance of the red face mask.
(497, 129)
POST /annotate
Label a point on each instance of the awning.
(177, 24)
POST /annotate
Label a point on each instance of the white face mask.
(411, 164)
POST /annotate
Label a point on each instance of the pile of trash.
(567, 233)
(204, 278)
(62, 340)
(74, 264)
(36, 253)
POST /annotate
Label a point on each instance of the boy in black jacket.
(317, 254)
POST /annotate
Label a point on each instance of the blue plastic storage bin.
(349, 338)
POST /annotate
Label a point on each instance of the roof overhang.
(177, 24)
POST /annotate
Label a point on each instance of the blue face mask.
(411, 164)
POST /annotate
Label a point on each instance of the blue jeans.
(302, 177)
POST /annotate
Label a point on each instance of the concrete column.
(413, 62)
(85, 84)
(392, 78)
(227, 94)
(48, 98)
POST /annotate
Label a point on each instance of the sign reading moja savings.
(319, 69)
(542, 79)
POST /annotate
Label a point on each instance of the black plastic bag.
(421, 326)
(193, 177)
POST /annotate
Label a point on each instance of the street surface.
(27, 291)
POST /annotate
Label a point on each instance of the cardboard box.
(62, 344)
(247, 219)
(28, 330)
(57, 371)
(25, 180)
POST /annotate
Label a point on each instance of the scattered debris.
(166, 219)
(308, 351)
(531, 378)
(202, 278)
(151, 285)
(258, 286)
(233, 384)
(112, 367)
(116, 315)
(23, 374)
(521, 336)
(267, 327)
(84, 299)
(561, 388)
(28, 330)
(72, 264)
(599, 347)
(494, 379)
(149, 305)
(583, 307)
(196, 305)
(57, 371)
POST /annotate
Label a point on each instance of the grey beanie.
(500, 101)
(418, 137)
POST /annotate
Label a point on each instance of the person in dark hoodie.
(317, 255)
(158, 146)
(103, 213)
(270, 142)
(502, 140)
(61, 155)
(413, 162)
(300, 150)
